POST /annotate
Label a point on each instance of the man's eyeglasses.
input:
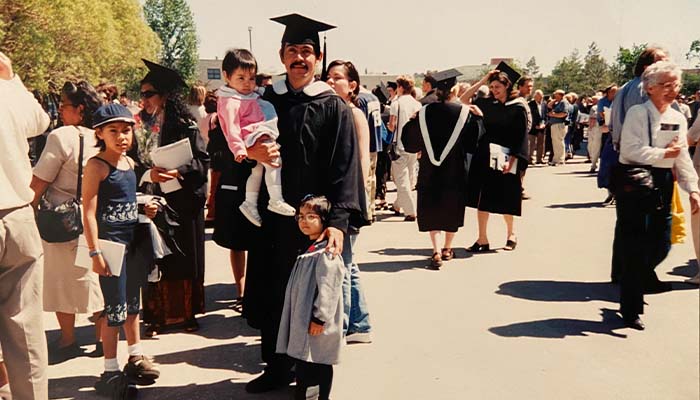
(307, 217)
(148, 94)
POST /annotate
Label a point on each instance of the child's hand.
(99, 266)
(240, 158)
(315, 329)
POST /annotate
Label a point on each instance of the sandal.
(479, 248)
(237, 305)
(191, 325)
(435, 261)
(447, 254)
(152, 330)
(510, 245)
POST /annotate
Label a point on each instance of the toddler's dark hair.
(319, 204)
(239, 58)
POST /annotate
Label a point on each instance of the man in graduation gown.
(320, 156)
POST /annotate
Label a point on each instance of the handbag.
(678, 232)
(634, 180)
(64, 222)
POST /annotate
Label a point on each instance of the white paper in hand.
(606, 110)
(112, 252)
(172, 156)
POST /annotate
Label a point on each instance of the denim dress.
(117, 217)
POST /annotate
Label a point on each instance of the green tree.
(623, 69)
(532, 69)
(596, 72)
(691, 83)
(694, 52)
(95, 40)
(173, 22)
(567, 74)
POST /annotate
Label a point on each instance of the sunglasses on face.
(148, 94)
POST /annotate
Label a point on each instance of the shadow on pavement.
(560, 291)
(74, 387)
(394, 266)
(234, 356)
(403, 252)
(688, 271)
(217, 326)
(574, 206)
(219, 296)
(560, 328)
(213, 391)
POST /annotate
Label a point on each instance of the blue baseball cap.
(112, 112)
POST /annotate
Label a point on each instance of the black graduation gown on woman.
(490, 190)
(320, 156)
(441, 189)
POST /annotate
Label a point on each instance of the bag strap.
(78, 195)
(398, 117)
(651, 143)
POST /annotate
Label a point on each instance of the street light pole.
(250, 38)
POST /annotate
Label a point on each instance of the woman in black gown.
(495, 187)
(440, 132)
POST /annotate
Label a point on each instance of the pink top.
(244, 118)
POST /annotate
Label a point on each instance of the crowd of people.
(295, 169)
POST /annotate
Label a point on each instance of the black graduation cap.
(446, 79)
(163, 78)
(382, 93)
(302, 30)
(392, 85)
(513, 75)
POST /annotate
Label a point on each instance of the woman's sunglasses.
(148, 94)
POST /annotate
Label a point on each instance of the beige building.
(209, 73)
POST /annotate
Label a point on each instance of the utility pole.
(250, 38)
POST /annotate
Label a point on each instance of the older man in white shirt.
(22, 336)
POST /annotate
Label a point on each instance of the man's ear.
(281, 52)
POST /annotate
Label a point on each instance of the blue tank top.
(117, 212)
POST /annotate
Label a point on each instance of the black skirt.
(231, 229)
(440, 210)
(493, 191)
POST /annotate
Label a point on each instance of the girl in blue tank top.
(110, 213)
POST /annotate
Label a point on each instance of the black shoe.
(610, 200)
(115, 385)
(634, 323)
(268, 382)
(58, 355)
(410, 218)
(510, 245)
(141, 371)
(479, 248)
(658, 287)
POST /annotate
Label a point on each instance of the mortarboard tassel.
(324, 72)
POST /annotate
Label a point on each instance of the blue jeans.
(356, 316)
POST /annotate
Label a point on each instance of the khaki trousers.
(536, 143)
(402, 180)
(21, 325)
(371, 183)
(558, 146)
(595, 137)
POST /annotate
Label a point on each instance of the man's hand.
(315, 329)
(160, 175)
(264, 151)
(335, 240)
(5, 67)
(694, 203)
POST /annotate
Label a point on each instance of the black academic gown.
(187, 202)
(320, 156)
(441, 189)
(490, 190)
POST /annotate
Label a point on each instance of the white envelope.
(663, 138)
(112, 252)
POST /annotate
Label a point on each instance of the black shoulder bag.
(64, 222)
(391, 148)
(634, 180)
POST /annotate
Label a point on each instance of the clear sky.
(407, 37)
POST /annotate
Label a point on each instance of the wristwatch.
(94, 253)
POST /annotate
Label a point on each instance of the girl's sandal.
(435, 261)
(447, 254)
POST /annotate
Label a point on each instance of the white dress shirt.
(635, 148)
(21, 117)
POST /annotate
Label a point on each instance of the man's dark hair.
(259, 78)
(524, 80)
(646, 58)
(319, 205)
(238, 58)
(432, 81)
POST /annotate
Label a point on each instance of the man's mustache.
(298, 64)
